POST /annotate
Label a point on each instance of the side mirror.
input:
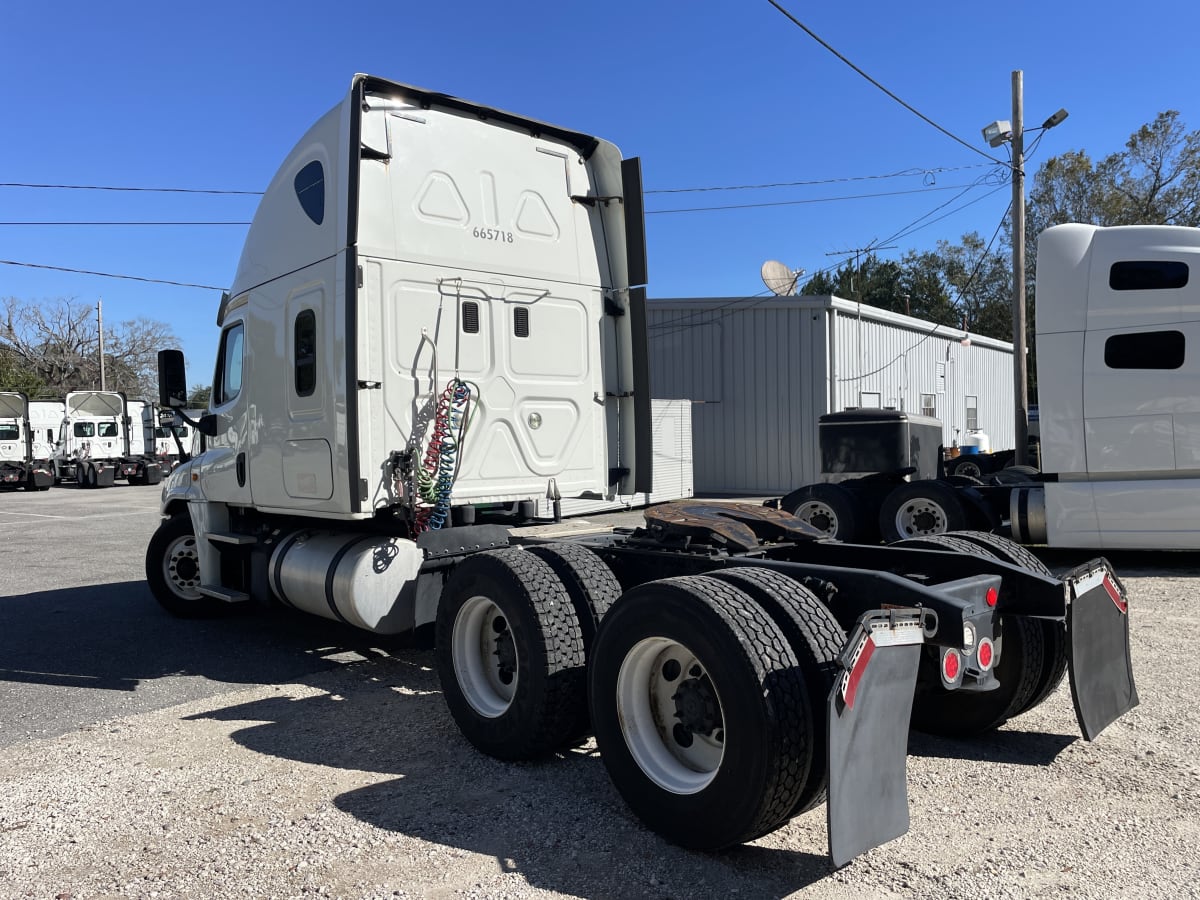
(172, 379)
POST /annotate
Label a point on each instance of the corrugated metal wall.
(746, 365)
(761, 370)
(901, 358)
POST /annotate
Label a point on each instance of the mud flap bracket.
(868, 712)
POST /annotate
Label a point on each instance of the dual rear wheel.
(706, 693)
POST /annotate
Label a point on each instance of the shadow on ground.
(536, 819)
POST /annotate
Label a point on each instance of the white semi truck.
(101, 441)
(1118, 327)
(24, 462)
(439, 310)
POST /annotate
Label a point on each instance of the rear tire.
(964, 465)
(1019, 670)
(830, 509)
(593, 589)
(700, 711)
(816, 638)
(921, 508)
(510, 657)
(1054, 634)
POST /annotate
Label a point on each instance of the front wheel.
(701, 712)
(173, 570)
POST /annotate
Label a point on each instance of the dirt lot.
(263, 756)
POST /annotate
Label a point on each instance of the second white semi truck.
(24, 460)
(439, 309)
(1118, 351)
(100, 441)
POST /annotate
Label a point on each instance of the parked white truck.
(1118, 321)
(100, 441)
(439, 307)
(23, 463)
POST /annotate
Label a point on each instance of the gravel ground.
(353, 782)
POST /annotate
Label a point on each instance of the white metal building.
(760, 371)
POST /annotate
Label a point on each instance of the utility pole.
(100, 327)
(1020, 362)
(996, 134)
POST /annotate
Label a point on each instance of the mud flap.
(1098, 657)
(868, 712)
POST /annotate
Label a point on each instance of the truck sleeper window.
(1148, 275)
(1145, 350)
(9, 432)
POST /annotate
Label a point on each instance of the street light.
(995, 134)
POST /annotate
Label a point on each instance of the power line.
(207, 287)
(950, 187)
(907, 106)
(725, 309)
(961, 293)
(907, 173)
(150, 190)
(29, 224)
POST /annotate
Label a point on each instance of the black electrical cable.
(907, 106)
(28, 265)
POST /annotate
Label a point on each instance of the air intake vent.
(470, 317)
(521, 321)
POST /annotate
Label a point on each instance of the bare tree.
(57, 343)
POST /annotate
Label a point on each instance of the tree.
(960, 285)
(16, 377)
(1155, 180)
(198, 398)
(57, 343)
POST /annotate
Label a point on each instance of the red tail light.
(986, 654)
(991, 596)
(951, 665)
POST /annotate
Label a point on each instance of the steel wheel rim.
(969, 468)
(484, 657)
(815, 508)
(648, 716)
(181, 567)
(921, 516)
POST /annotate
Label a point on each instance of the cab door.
(226, 474)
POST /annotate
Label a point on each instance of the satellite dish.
(779, 278)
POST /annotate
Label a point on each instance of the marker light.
(991, 596)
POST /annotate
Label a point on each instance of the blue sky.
(721, 93)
